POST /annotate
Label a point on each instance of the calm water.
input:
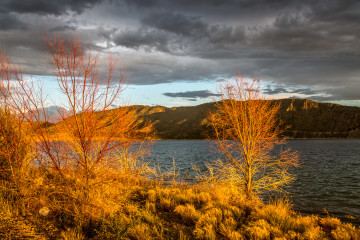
(329, 176)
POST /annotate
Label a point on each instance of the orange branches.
(246, 128)
(15, 146)
(92, 133)
(86, 142)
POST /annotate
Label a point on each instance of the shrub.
(346, 232)
(250, 122)
(15, 147)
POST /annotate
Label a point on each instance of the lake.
(328, 178)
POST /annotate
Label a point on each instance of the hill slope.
(306, 118)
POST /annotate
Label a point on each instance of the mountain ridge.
(304, 118)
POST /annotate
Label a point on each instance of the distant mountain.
(176, 122)
(309, 119)
(53, 114)
(305, 118)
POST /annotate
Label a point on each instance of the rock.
(44, 211)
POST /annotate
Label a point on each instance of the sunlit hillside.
(304, 118)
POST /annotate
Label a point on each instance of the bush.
(15, 147)
(250, 121)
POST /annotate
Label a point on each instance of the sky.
(178, 51)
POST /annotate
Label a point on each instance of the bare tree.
(15, 145)
(83, 149)
(247, 130)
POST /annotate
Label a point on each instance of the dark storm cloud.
(288, 21)
(301, 46)
(22, 24)
(274, 91)
(310, 38)
(144, 37)
(61, 28)
(332, 9)
(192, 95)
(330, 72)
(298, 34)
(8, 22)
(195, 28)
(319, 26)
(179, 34)
(192, 5)
(305, 91)
(307, 28)
(279, 90)
(177, 23)
(54, 7)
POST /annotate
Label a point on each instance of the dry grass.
(188, 213)
(124, 204)
(137, 208)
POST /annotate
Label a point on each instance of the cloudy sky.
(178, 50)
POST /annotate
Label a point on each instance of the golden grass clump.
(258, 230)
(73, 234)
(345, 232)
(140, 232)
(278, 214)
(188, 213)
(231, 222)
(150, 206)
(152, 195)
(208, 224)
(235, 236)
(202, 198)
(185, 196)
(312, 233)
(300, 224)
(165, 204)
(206, 232)
(329, 223)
